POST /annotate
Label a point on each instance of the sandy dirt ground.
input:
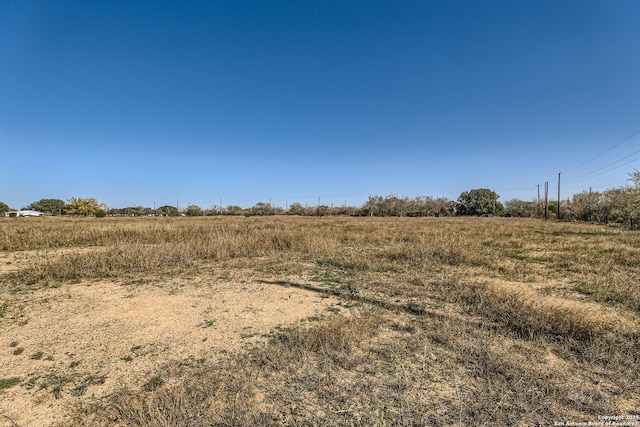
(85, 340)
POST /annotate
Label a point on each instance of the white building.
(30, 213)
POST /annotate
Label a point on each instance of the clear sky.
(143, 102)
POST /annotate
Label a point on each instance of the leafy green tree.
(194, 210)
(480, 201)
(520, 208)
(168, 211)
(4, 208)
(587, 206)
(261, 208)
(233, 210)
(84, 206)
(623, 206)
(296, 209)
(322, 210)
(50, 206)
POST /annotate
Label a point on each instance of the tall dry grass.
(458, 321)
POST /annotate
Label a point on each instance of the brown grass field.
(303, 321)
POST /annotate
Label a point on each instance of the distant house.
(30, 213)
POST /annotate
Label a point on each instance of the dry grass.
(454, 321)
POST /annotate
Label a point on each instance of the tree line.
(618, 206)
(470, 203)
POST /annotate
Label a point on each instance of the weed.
(246, 336)
(206, 324)
(86, 382)
(18, 351)
(9, 382)
(31, 383)
(153, 383)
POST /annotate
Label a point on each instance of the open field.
(317, 321)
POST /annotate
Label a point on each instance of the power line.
(595, 171)
(611, 185)
(605, 151)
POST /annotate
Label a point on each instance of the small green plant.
(18, 351)
(206, 324)
(31, 383)
(37, 355)
(245, 336)
(8, 382)
(57, 391)
(154, 383)
(86, 382)
(348, 290)
(13, 344)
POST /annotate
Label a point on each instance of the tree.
(4, 208)
(194, 210)
(233, 210)
(168, 211)
(84, 206)
(520, 208)
(50, 206)
(261, 208)
(296, 209)
(372, 206)
(480, 201)
(587, 206)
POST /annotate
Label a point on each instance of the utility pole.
(546, 200)
(558, 196)
(539, 205)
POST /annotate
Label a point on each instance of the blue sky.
(143, 102)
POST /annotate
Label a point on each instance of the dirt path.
(87, 340)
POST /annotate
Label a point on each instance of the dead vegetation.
(441, 321)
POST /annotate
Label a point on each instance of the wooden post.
(546, 200)
(558, 196)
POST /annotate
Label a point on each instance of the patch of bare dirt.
(86, 340)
